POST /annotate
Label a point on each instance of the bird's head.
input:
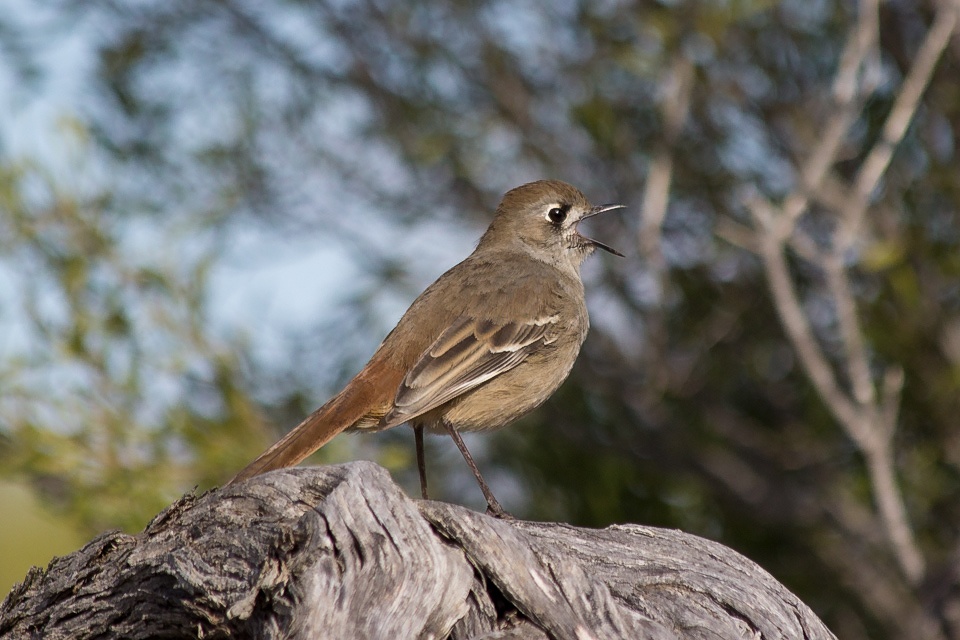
(544, 216)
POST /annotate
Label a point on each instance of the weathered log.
(342, 552)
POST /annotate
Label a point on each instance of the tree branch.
(656, 196)
(341, 552)
(904, 108)
(868, 420)
(848, 95)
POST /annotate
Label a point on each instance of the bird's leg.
(421, 462)
(493, 507)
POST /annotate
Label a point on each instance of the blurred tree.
(116, 396)
(776, 367)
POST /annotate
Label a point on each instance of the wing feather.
(469, 353)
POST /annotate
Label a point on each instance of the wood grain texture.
(341, 552)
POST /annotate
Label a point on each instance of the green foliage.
(116, 396)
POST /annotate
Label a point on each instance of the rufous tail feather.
(338, 414)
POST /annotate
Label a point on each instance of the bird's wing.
(466, 355)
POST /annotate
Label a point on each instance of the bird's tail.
(350, 406)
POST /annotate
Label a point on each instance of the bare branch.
(901, 114)
(737, 234)
(805, 247)
(858, 366)
(875, 440)
(674, 109)
(868, 420)
(866, 425)
(798, 329)
(890, 400)
(859, 47)
(893, 512)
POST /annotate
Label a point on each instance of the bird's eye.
(556, 215)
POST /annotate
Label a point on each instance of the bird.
(489, 341)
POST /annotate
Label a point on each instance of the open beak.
(597, 210)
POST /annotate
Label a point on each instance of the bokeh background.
(212, 211)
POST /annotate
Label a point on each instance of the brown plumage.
(487, 342)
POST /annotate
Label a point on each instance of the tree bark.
(342, 552)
